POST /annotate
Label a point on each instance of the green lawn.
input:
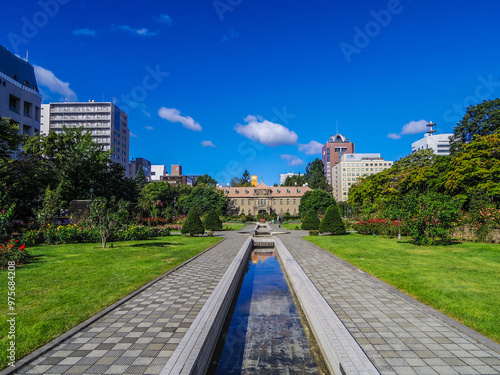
(234, 226)
(291, 225)
(69, 283)
(460, 280)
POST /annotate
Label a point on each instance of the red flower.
(22, 247)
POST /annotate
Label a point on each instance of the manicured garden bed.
(462, 280)
(69, 283)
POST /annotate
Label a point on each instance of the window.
(281, 202)
(14, 103)
(295, 202)
(27, 109)
(117, 134)
(246, 191)
(236, 191)
(288, 202)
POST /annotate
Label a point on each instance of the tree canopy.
(317, 200)
(479, 120)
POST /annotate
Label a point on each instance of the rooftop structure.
(332, 151)
(439, 143)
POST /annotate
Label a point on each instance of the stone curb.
(341, 352)
(192, 355)
(66, 335)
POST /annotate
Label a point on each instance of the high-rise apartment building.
(107, 123)
(350, 168)
(19, 96)
(284, 176)
(332, 151)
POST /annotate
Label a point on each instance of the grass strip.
(462, 280)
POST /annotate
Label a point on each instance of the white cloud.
(413, 127)
(133, 135)
(164, 18)
(174, 115)
(208, 144)
(48, 79)
(265, 132)
(140, 32)
(393, 136)
(292, 160)
(145, 113)
(85, 32)
(149, 127)
(311, 148)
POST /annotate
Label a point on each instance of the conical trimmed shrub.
(332, 222)
(193, 224)
(311, 221)
(212, 221)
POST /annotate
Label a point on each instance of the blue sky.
(226, 85)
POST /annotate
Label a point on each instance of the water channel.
(263, 332)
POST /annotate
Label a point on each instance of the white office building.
(284, 176)
(157, 171)
(439, 143)
(19, 96)
(104, 120)
(350, 168)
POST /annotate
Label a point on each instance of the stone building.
(263, 199)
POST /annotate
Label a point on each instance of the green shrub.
(249, 217)
(311, 221)
(313, 232)
(212, 221)
(332, 222)
(193, 224)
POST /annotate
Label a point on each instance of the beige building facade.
(350, 168)
(263, 199)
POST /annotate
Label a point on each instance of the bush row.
(54, 235)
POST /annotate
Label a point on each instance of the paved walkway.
(399, 335)
(139, 336)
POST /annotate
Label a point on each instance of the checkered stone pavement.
(398, 334)
(139, 336)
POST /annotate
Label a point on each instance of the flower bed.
(12, 251)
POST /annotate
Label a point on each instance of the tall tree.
(140, 178)
(245, 178)
(298, 180)
(317, 200)
(315, 174)
(480, 119)
(206, 180)
(205, 198)
(10, 138)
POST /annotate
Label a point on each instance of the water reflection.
(265, 335)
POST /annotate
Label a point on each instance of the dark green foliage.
(249, 217)
(332, 222)
(140, 178)
(311, 221)
(206, 180)
(193, 224)
(479, 120)
(315, 173)
(318, 200)
(212, 221)
(206, 198)
(10, 137)
(298, 180)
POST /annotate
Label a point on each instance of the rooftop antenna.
(26, 55)
(337, 126)
(431, 126)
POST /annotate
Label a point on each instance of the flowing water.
(265, 335)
